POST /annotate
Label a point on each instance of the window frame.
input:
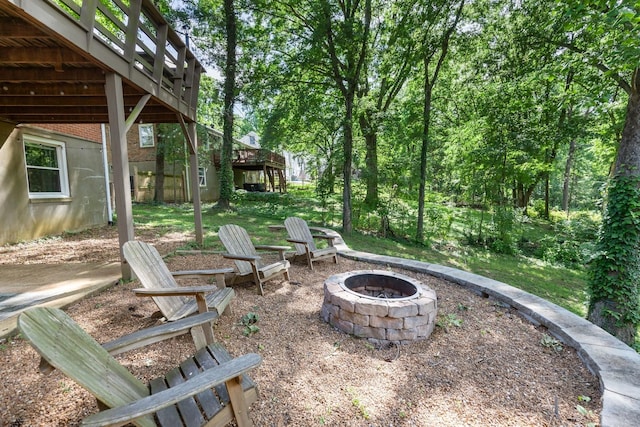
(62, 166)
(202, 176)
(146, 139)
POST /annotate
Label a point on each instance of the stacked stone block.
(398, 321)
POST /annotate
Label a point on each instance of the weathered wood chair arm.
(272, 247)
(182, 290)
(302, 242)
(157, 333)
(150, 404)
(281, 250)
(249, 258)
(183, 273)
(323, 236)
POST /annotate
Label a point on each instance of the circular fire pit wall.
(379, 305)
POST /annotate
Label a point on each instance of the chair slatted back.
(149, 267)
(298, 229)
(236, 240)
(62, 343)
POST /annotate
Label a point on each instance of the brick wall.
(90, 132)
(134, 151)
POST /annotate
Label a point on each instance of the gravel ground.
(493, 369)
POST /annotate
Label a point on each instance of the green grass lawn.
(256, 211)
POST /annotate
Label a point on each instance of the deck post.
(195, 181)
(191, 135)
(122, 186)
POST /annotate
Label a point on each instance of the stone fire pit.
(383, 306)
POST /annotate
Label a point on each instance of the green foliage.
(614, 273)
(550, 342)
(499, 230)
(570, 242)
(355, 401)
(447, 321)
(249, 321)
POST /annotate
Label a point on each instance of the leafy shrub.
(438, 221)
(571, 243)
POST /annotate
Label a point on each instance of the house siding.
(142, 168)
(28, 219)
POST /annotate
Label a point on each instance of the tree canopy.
(507, 106)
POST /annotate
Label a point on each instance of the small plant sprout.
(549, 342)
(445, 322)
(587, 414)
(66, 388)
(355, 401)
(249, 321)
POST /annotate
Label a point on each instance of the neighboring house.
(296, 167)
(251, 140)
(142, 143)
(53, 178)
(254, 169)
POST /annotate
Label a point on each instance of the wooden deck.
(254, 159)
(271, 164)
(55, 55)
(99, 61)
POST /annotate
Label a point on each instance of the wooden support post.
(191, 136)
(122, 186)
(195, 182)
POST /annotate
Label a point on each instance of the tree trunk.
(226, 172)
(429, 82)
(347, 81)
(614, 302)
(347, 226)
(426, 118)
(523, 195)
(371, 175)
(546, 196)
(567, 175)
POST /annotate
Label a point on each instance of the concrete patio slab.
(57, 285)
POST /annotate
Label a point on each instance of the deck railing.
(255, 157)
(258, 156)
(155, 57)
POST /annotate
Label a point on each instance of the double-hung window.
(145, 133)
(202, 176)
(46, 163)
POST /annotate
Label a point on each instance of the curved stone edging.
(616, 364)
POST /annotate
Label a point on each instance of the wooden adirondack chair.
(208, 387)
(249, 264)
(301, 237)
(174, 301)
